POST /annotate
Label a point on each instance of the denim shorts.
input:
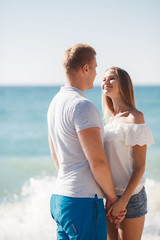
(137, 205)
(79, 218)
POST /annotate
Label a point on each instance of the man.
(75, 139)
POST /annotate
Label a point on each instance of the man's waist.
(77, 188)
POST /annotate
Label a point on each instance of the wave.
(152, 223)
(27, 216)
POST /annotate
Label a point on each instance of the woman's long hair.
(126, 91)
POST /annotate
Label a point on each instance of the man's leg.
(54, 209)
(61, 235)
(79, 218)
(90, 223)
(101, 224)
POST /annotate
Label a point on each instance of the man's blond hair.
(77, 56)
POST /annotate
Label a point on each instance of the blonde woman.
(126, 139)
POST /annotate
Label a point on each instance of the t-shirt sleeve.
(86, 116)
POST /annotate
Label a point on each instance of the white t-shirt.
(119, 139)
(69, 112)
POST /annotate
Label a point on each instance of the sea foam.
(152, 222)
(28, 217)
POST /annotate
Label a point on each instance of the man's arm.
(91, 143)
(53, 154)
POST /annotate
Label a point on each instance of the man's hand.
(113, 205)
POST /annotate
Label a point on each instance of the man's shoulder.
(85, 103)
(85, 107)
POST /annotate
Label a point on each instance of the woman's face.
(110, 86)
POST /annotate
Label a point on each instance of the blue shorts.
(79, 218)
(137, 205)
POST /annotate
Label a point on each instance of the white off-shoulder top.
(119, 139)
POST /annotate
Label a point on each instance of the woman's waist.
(119, 189)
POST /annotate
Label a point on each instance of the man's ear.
(85, 68)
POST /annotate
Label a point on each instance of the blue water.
(26, 168)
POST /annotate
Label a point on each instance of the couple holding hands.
(99, 192)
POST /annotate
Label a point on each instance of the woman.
(125, 141)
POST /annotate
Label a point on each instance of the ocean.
(27, 172)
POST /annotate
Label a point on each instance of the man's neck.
(77, 83)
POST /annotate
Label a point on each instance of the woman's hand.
(117, 207)
(116, 211)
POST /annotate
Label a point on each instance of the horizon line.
(59, 85)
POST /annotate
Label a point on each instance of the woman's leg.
(112, 232)
(131, 228)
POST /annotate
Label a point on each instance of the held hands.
(115, 210)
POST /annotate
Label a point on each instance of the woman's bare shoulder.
(136, 117)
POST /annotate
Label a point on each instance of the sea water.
(27, 172)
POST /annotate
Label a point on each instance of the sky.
(35, 33)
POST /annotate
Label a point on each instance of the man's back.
(75, 140)
(68, 113)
